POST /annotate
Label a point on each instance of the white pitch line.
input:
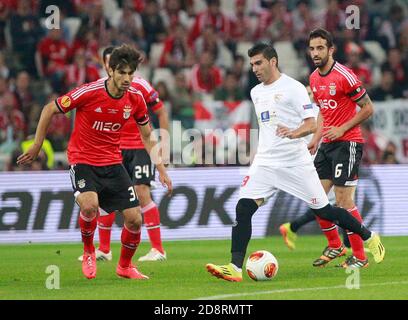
(235, 295)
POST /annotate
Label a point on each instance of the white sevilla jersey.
(287, 103)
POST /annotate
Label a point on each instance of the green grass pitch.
(183, 276)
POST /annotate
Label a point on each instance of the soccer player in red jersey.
(137, 163)
(97, 174)
(337, 92)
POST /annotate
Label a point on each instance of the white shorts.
(262, 182)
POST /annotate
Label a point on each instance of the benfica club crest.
(81, 183)
(126, 112)
(332, 90)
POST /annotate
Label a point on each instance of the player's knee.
(89, 210)
(245, 209)
(134, 222)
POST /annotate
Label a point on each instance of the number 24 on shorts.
(139, 170)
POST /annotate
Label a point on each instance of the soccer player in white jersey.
(285, 116)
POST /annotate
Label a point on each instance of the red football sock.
(87, 226)
(130, 241)
(357, 244)
(105, 229)
(330, 231)
(151, 216)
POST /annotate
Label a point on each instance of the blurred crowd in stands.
(193, 49)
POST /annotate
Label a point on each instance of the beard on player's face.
(322, 61)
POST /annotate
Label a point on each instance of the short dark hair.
(267, 50)
(124, 56)
(324, 34)
(107, 51)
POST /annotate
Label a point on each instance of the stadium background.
(182, 45)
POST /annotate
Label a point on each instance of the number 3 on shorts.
(132, 194)
(337, 170)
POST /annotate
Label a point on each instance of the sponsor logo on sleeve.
(65, 101)
(154, 96)
(307, 106)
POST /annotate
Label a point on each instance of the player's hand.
(30, 155)
(166, 182)
(284, 132)
(312, 147)
(333, 133)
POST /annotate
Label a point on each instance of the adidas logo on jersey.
(99, 110)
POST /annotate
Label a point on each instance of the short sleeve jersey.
(99, 120)
(337, 93)
(130, 135)
(287, 103)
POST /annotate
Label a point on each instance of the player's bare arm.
(314, 143)
(363, 114)
(151, 147)
(45, 119)
(307, 127)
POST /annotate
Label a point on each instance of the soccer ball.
(262, 265)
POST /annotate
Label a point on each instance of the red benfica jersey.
(130, 136)
(99, 119)
(336, 94)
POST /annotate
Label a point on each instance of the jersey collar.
(328, 72)
(107, 91)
